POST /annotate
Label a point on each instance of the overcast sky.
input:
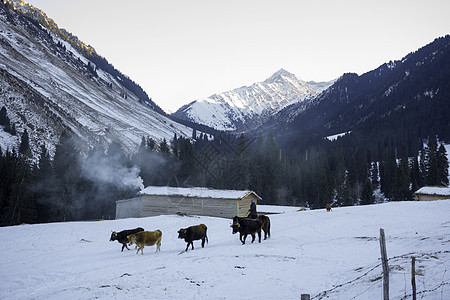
(179, 51)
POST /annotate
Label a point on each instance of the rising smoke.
(111, 169)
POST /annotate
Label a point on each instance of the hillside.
(401, 100)
(334, 255)
(230, 110)
(48, 87)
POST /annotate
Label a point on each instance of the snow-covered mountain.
(48, 87)
(232, 109)
(407, 98)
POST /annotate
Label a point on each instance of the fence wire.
(401, 266)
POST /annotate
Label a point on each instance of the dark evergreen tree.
(388, 169)
(67, 174)
(401, 191)
(346, 198)
(367, 196)
(175, 148)
(16, 202)
(416, 175)
(43, 187)
(13, 129)
(187, 171)
(374, 175)
(239, 175)
(5, 122)
(3, 116)
(151, 144)
(431, 162)
(24, 147)
(422, 168)
(339, 178)
(164, 147)
(442, 172)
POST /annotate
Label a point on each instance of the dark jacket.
(252, 211)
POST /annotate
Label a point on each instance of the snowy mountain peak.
(279, 75)
(232, 109)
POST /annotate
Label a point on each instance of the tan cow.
(146, 238)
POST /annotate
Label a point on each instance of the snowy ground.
(332, 255)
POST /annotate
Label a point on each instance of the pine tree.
(416, 175)
(367, 196)
(174, 144)
(5, 122)
(431, 162)
(67, 174)
(442, 172)
(3, 116)
(422, 168)
(16, 200)
(24, 147)
(187, 171)
(374, 175)
(401, 191)
(13, 129)
(164, 147)
(151, 144)
(388, 170)
(237, 169)
(23, 204)
(43, 186)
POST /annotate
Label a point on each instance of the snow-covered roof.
(434, 190)
(196, 192)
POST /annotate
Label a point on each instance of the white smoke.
(101, 168)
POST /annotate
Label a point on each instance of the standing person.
(252, 211)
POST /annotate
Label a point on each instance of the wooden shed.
(163, 200)
(432, 193)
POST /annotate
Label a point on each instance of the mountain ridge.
(40, 17)
(404, 97)
(48, 87)
(230, 110)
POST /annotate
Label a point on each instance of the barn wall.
(162, 205)
(154, 206)
(129, 208)
(422, 197)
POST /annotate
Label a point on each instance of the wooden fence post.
(413, 278)
(384, 262)
(305, 297)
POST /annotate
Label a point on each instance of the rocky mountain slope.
(400, 99)
(48, 86)
(230, 110)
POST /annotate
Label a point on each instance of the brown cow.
(265, 225)
(146, 238)
(197, 232)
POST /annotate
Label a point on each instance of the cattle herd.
(141, 238)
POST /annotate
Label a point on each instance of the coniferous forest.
(83, 186)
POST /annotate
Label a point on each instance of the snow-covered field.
(332, 255)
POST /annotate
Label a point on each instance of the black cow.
(192, 233)
(121, 236)
(246, 226)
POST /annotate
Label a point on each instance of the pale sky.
(180, 51)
